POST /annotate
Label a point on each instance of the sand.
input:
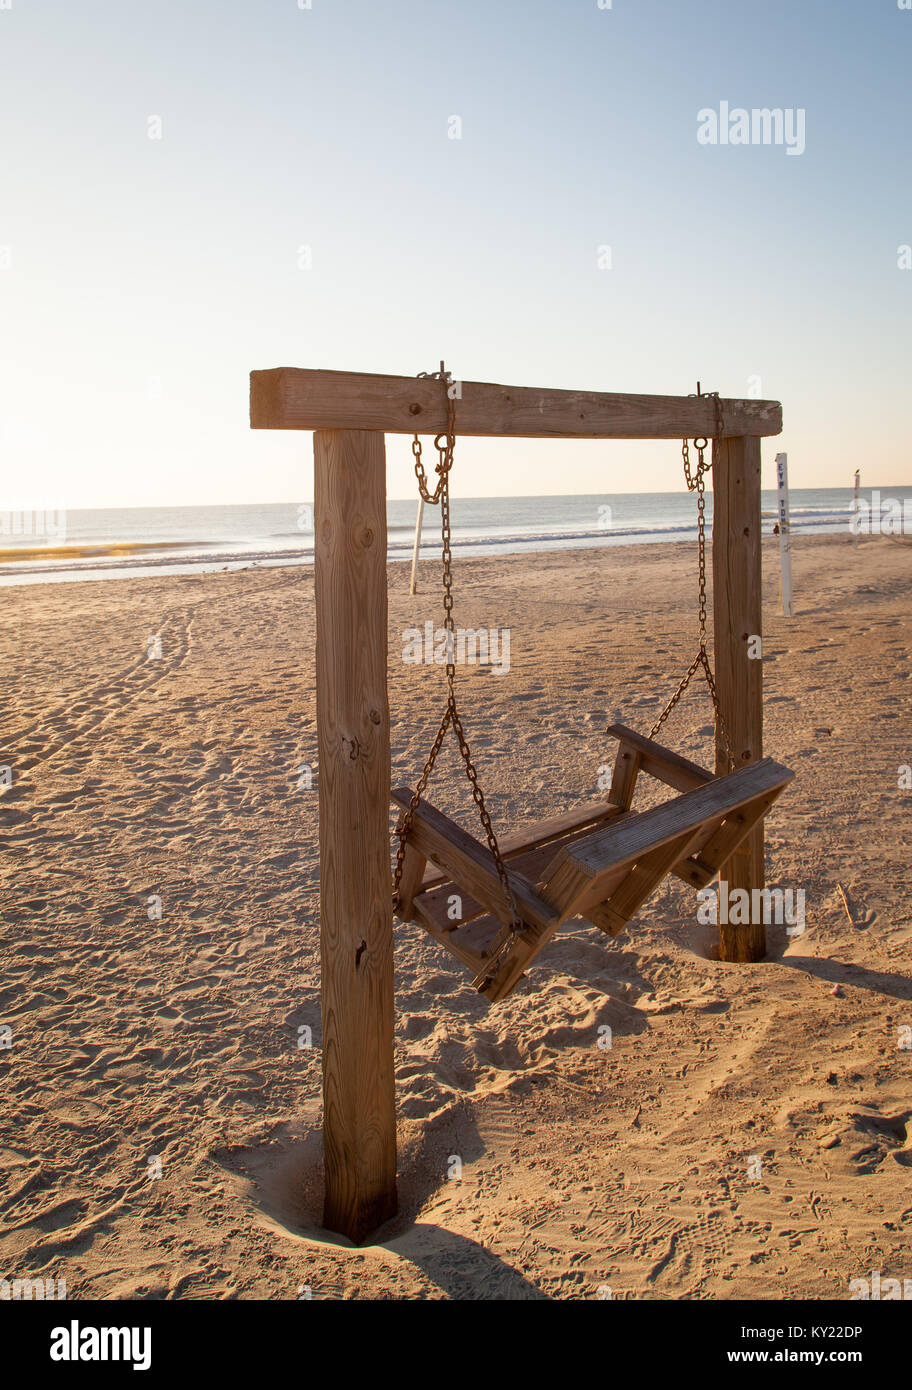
(748, 1134)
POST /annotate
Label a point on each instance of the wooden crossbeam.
(300, 398)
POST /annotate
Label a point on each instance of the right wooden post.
(737, 616)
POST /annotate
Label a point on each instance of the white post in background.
(785, 539)
(855, 503)
(413, 586)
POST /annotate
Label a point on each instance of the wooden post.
(356, 926)
(737, 613)
(785, 537)
(413, 585)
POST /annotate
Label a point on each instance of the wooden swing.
(495, 908)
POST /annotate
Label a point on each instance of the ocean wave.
(237, 555)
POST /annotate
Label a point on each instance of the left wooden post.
(356, 924)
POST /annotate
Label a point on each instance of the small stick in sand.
(845, 903)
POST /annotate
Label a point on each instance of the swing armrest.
(590, 871)
(660, 762)
(708, 804)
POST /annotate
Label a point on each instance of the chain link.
(696, 482)
(445, 450)
(451, 715)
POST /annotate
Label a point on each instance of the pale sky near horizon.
(144, 278)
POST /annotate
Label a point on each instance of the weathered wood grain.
(635, 835)
(437, 837)
(356, 932)
(624, 775)
(532, 864)
(300, 398)
(413, 870)
(738, 616)
(639, 883)
(519, 842)
(661, 763)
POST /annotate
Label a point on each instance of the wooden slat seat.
(529, 853)
(545, 832)
(601, 861)
(607, 876)
(471, 942)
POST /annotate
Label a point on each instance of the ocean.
(123, 542)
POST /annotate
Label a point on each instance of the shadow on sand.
(282, 1180)
(780, 948)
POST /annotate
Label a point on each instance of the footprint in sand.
(865, 1138)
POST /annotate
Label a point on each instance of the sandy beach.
(747, 1135)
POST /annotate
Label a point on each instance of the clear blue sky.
(177, 259)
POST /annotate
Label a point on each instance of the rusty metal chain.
(451, 715)
(695, 480)
(445, 450)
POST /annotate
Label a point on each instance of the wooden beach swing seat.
(495, 908)
(600, 862)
